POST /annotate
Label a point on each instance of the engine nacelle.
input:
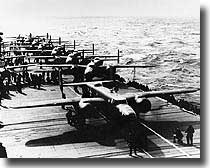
(125, 110)
(142, 105)
(86, 109)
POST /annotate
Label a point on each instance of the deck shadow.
(101, 134)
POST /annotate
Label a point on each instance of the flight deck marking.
(166, 140)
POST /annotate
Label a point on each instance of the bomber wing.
(20, 66)
(28, 51)
(57, 102)
(158, 93)
(55, 65)
(87, 83)
(134, 66)
(17, 56)
(46, 103)
(102, 56)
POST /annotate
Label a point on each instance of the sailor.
(54, 76)
(1, 89)
(39, 82)
(43, 77)
(48, 78)
(1, 39)
(131, 140)
(3, 152)
(0, 95)
(28, 80)
(178, 135)
(33, 78)
(190, 131)
(132, 136)
(18, 83)
(7, 87)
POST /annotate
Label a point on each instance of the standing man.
(178, 135)
(132, 144)
(0, 43)
(3, 152)
(190, 130)
(18, 83)
(132, 138)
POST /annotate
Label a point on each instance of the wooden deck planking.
(46, 130)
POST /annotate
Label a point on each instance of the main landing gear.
(74, 118)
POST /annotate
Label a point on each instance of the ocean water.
(173, 44)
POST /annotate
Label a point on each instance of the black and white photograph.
(100, 79)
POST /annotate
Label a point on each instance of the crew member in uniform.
(178, 135)
(132, 142)
(3, 152)
(190, 131)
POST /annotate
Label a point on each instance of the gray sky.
(68, 8)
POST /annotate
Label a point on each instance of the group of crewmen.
(178, 135)
(48, 77)
(136, 138)
(8, 79)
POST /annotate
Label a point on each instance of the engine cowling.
(86, 109)
(125, 109)
(142, 105)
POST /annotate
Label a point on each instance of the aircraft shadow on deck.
(106, 135)
(101, 134)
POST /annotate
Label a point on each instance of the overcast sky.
(68, 8)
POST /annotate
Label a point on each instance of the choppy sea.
(173, 44)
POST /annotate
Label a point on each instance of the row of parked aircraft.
(109, 97)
